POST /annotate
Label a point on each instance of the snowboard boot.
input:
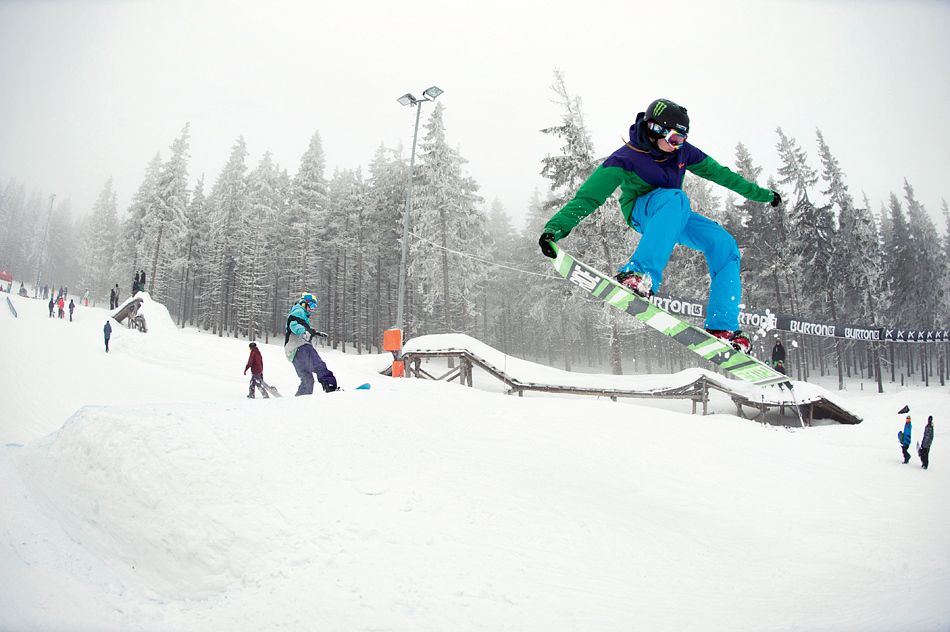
(738, 340)
(639, 283)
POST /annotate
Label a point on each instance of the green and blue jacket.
(638, 168)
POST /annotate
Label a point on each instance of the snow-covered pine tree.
(129, 255)
(309, 214)
(164, 223)
(498, 298)
(98, 244)
(228, 203)
(279, 242)
(252, 289)
(63, 263)
(385, 208)
(195, 253)
(343, 249)
(931, 267)
(945, 309)
(900, 267)
(854, 266)
(15, 227)
(813, 230)
(445, 218)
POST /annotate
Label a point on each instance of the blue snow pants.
(307, 362)
(664, 218)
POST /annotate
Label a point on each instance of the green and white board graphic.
(697, 340)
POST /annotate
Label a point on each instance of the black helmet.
(668, 115)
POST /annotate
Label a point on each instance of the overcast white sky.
(92, 89)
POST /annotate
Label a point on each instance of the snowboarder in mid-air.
(649, 170)
(299, 349)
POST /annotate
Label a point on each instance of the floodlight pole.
(403, 263)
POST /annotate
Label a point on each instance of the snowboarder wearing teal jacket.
(649, 170)
(300, 351)
(904, 437)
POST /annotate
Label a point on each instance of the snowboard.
(696, 339)
(271, 390)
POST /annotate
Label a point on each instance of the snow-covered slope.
(141, 491)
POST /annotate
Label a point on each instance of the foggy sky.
(93, 89)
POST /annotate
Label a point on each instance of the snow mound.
(150, 499)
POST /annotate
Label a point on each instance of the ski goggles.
(672, 136)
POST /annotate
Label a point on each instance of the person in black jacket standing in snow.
(924, 451)
(778, 357)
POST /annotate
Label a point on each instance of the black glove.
(776, 199)
(317, 334)
(546, 248)
(329, 387)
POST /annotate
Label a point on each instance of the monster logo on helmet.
(668, 115)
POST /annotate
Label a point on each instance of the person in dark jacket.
(255, 362)
(72, 306)
(298, 348)
(135, 285)
(112, 298)
(142, 280)
(52, 302)
(904, 437)
(778, 357)
(924, 451)
(649, 170)
(107, 333)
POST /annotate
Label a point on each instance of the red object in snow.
(6, 276)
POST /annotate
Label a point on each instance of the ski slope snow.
(142, 491)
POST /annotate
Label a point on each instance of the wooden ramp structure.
(520, 376)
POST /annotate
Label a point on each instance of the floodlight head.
(433, 92)
(406, 99)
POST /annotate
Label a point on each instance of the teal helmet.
(308, 300)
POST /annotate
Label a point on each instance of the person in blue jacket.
(904, 437)
(649, 170)
(300, 351)
(107, 333)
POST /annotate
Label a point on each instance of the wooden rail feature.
(809, 407)
(696, 391)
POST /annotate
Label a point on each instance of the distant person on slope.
(299, 349)
(778, 356)
(255, 362)
(924, 451)
(107, 333)
(649, 170)
(52, 302)
(904, 437)
(72, 306)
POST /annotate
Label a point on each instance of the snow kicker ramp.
(520, 375)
